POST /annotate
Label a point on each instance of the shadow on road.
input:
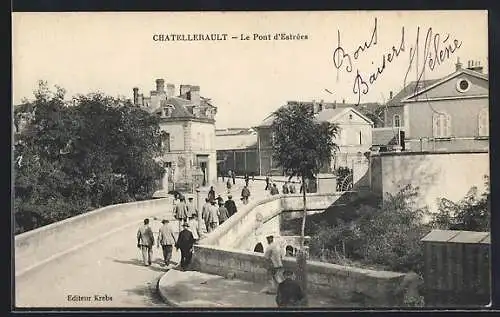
(140, 263)
(149, 293)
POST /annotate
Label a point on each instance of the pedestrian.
(194, 228)
(220, 200)
(229, 174)
(205, 213)
(247, 179)
(274, 189)
(145, 242)
(284, 189)
(211, 194)
(274, 257)
(185, 243)
(191, 208)
(245, 193)
(166, 239)
(234, 178)
(292, 188)
(267, 182)
(222, 173)
(230, 205)
(213, 216)
(223, 214)
(181, 212)
(253, 176)
(289, 292)
(289, 250)
(228, 185)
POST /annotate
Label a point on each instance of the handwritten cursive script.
(363, 81)
(432, 57)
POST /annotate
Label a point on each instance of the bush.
(387, 236)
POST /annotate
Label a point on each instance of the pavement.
(109, 271)
(190, 289)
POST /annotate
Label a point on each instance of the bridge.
(95, 254)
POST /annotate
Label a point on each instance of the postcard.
(327, 159)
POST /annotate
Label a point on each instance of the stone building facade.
(188, 134)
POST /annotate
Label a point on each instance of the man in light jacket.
(167, 240)
(274, 256)
(145, 242)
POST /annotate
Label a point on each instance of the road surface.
(108, 273)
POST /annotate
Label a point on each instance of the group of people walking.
(167, 240)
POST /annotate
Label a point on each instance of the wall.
(203, 142)
(176, 131)
(389, 115)
(447, 175)
(372, 288)
(38, 245)
(468, 144)
(464, 116)
(233, 232)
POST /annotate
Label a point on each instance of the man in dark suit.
(230, 205)
(185, 243)
(290, 293)
(145, 242)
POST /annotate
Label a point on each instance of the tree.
(472, 213)
(301, 145)
(74, 158)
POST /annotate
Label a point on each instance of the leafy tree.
(73, 158)
(472, 213)
(301, 145)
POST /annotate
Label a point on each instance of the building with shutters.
(354, 138)
(446, 114)
(187, 121)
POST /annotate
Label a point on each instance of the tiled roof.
(363, 108)
(235, 142)
(328, 114)
(384, 136)
(410, 89)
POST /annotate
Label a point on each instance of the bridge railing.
(38, 246)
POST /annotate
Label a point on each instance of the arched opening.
(259, 248)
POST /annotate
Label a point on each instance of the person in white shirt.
(274, 256)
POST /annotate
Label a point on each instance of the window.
(463, 85)
(165, 141)
(168, 164)
(396, 121)
(484, 123)
(441, 124)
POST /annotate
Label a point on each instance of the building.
(446, 114)
(237, 151)
(355, 137)
(188, 134)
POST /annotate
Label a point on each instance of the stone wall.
(370, 288)
(44, 243)
(447, 175)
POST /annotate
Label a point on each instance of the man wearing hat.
(145, 242)
(274, 257)
(185, 243)
(289, 292)
(230, 205)
(166, 239)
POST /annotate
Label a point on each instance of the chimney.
(160, 85)
(475, 66)
(170, 90)
(194, 95)
(458, 65)
(390, 95)
(184, 90)
(136, 95)
(320, 108)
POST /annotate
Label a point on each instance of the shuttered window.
(441, 124)
(484, 119)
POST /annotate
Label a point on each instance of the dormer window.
(208, 113)
(166, 112)
(463, 85)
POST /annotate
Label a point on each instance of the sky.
(246, 80)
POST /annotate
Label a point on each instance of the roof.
(181, 107)
(361, 109)
(335, 114)
(233, 131)
(410, 89)
(454, 236)
(235, 142)
(384, 136)
(445, 79)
